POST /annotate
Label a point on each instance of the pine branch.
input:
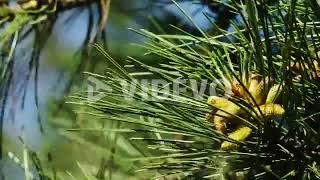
(54, 5)
(256, 122)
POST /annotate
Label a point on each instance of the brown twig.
(104, 13)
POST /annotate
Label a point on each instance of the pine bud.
(270, 110)
(227, 111)
(32, 4)
(273, 93)
(219, 124)
(239, 134)
(218, 102)
(257, 91)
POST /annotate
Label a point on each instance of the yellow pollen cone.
(218, 102)
(269, 110)
(229, 111)
(220, 118)
(219, 124)
(237, 89)
(256, 91)
(254, 83)
(300, 67)
(32, 4)
(273, 93)
(239, 134)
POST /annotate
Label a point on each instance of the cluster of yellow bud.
(35, 4)
(257, 94)
(28, 4)
(312, 69)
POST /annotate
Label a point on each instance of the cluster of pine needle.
(266, 128)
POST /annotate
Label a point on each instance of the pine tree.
(262, 122)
